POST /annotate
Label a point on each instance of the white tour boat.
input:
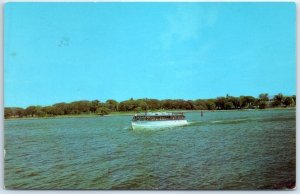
(158, 120)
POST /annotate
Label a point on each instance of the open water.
(221, 150)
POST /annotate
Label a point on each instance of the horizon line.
(160, 99)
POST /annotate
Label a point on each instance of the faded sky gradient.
(62, 52)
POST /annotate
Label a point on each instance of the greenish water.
(222, 150)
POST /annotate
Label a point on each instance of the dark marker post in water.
(201, 113)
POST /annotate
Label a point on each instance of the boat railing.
(160, 114)
(177, 113)
(158, 117)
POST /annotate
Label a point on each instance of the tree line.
(140, 105)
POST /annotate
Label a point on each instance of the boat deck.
(159, 117)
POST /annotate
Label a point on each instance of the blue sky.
(62, 52)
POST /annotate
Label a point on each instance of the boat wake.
(230, 121)
(234, 121)
(194, 123)
(216, 122)
(127, 128)
(191, 123)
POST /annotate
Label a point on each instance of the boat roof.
(160, 114)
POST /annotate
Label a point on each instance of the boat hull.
(157, 124)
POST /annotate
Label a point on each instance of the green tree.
(153, 104)
(200, 104)
(141, 104)
(79, 107)
(220, 103)
(128, 105)
(19, 112)
(122, 106)
(288, 101)
(59, 108)
(31, 111)
(235, 101)
(40, 112)
(8, 112)
(275, 103)
(190, 105)
(294, 98)
(262, 104)
(102, 111)
(264, 97)
(278, 100)
(228, 105)
(48, 110)
(94, 105)
(168, 104)
(210, 104)
(247, 101)
(112, 105)
(182, 104)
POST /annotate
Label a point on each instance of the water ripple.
(221, 150)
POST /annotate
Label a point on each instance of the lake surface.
(221, 150)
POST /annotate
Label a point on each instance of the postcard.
(150, 96)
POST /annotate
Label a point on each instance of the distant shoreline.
(133, 113)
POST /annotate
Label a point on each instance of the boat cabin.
(159, 117)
